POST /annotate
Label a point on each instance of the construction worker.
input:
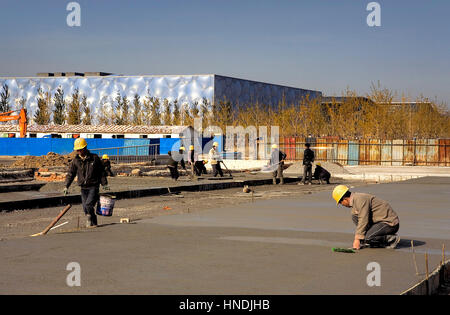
(276, 162)
(91, 173)
(191, 161)
(321, 174)
(216, 159)
(107, 165)
(308, 159)
(376, 222)
(172, 164)
(200, 168)
(181, 152)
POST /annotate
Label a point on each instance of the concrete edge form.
(431, 285)
(378, 178)
(45, 202)
(21, 187)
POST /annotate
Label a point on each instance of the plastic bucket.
(106, 205)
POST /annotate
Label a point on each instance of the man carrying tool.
(321, 174)
(376, 222)
(90, 173)
(276, 163)
(107, 165)
(308, 159)
(216, 159)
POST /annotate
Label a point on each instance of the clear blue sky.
(316, 44)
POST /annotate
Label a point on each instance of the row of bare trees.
(375, 116)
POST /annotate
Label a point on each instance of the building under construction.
(102, 88)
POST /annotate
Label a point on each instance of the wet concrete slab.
(422, 206)
(264, 247)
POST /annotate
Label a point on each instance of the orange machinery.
(22, 118)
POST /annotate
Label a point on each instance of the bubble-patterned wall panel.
(243, 92)
(184, 88)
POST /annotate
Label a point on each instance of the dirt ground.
(23, 223)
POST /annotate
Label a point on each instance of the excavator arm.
(22, 118)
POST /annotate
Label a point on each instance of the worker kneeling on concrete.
(321, 174)
(90, 172)
(376, 222)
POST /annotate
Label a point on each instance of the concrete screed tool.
(229, 172)
(343, 250)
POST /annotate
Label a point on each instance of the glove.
(106, 187)
(65, 191)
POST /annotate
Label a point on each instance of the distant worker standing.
(191, 161)
(181, 152)
(216, 159)
(107, 164)
(308, 159)
(91, 173)
(376, 222)
(321, 174)
(276, 162)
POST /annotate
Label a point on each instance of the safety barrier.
(424, 152)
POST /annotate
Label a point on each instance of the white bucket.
(106, 205)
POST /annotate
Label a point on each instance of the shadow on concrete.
(405, 243)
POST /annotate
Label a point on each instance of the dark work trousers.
(278, 172)
(200, 168)
(377, 233)
(174, 172)
(193, 173)
(217, 169)
(307, 173)
(90, 199)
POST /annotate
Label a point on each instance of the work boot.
(274, 181)
(90, 221)
(281, 181)
(392, 241)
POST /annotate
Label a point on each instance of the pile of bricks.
(43, 174)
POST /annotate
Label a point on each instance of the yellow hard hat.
(79, 144)
(274, 146)
(205, 161)
(215, 144)
(338, 192)
(182, 148)
(105, 157)
(191, 147)
(318, 164)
